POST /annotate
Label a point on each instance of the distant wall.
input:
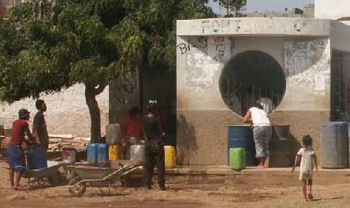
(331, 9)
(67, 111)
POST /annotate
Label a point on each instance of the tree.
(46, 46)
(232, 5)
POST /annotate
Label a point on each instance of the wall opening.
(250, 77)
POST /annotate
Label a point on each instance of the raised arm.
(247, 117)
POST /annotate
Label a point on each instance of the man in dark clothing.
(154, 151)
(16, 147)
(39, 125)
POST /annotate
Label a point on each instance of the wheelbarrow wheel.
(77, 190)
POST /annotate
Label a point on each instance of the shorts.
(16, 158)
(262, 136)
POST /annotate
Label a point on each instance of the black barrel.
(334, 145)
(349, 140)
(241, 136)
(280, 147)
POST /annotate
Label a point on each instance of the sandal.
(310, 197)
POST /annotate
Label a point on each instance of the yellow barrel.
(170, 156)
(114, 151)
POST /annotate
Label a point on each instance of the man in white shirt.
(262, 131)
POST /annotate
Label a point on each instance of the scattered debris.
(17, 196)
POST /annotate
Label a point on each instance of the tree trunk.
(90, 97)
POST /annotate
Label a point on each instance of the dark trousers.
(154, 155)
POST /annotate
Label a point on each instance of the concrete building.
(226, 64)
(327, 9)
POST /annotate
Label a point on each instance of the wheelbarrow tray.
(42, 172)
(91, 172)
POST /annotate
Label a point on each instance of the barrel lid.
(240, 125)
(334, 123)
(273, 125)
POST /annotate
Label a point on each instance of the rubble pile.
(58, 142)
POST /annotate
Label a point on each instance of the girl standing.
(307, 158)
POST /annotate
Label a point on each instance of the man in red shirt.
(16, 147)
(131, 130)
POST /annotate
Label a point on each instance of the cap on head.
(151, 105)
(23, 113)
(258, 105)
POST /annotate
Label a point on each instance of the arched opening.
(250, 77)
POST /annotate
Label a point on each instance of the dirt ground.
(179, 195)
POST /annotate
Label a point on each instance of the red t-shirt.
(19, 129)
(132, 127)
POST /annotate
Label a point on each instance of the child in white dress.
(307, 158)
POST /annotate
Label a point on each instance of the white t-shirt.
(306, 163)
(259, 117)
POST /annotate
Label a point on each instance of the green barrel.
(237, 158)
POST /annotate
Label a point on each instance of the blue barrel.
(36, 157)
(241, 136)
(92, 153)
(334, 145)
(102, 153)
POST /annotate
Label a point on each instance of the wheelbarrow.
(51, 174)
(83, 176)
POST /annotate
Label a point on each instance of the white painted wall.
(67, 111)
(198, 72)
(332, 9)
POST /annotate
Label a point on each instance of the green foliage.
(47, 46)
(232, 5)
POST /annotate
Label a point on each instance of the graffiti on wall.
(205, 57)
(246, 26)
(307, 64)
(219, 26)
(301, 55)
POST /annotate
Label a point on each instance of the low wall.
(202, 135)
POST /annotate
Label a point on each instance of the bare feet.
(20, 188)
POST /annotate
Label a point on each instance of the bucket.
(113, 133)
(113, 152)
(69, 155)
(170, 156)
(137, 152)
(237, 158)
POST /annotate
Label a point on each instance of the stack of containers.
(113, 134)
